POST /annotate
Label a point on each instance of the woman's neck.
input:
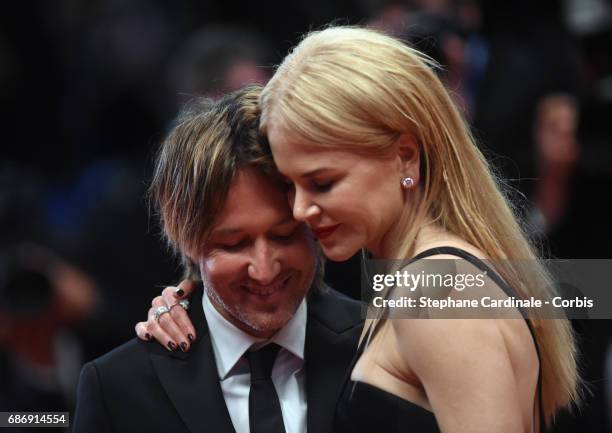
(388, 246)
(429, 235)
(433, 235)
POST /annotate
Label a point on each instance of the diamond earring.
(407, 182)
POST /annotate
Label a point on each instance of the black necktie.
(265, 414)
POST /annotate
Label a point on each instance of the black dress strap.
(479, 263)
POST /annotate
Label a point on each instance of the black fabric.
(142, 387)
(364, 408)
(265, 415)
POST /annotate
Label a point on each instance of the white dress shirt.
(229, 345)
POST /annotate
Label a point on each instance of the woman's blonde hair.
(359, 89)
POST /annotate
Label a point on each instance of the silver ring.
(183, 303)
(159, 311)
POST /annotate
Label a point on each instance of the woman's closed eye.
(322, 186)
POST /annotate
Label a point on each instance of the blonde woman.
(379, 158)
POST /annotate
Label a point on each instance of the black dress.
(364, 408)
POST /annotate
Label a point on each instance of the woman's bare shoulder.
(457, 358)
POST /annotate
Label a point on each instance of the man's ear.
(409, 156)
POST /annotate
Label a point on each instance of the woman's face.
(350, 201)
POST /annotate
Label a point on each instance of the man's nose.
(304, 208)
(264, 264)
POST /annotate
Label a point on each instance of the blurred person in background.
(530, 55)
(43, 300)
(557, 150)
(219, 59)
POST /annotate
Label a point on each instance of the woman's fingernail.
(148, 336)
(191, 337)
(171, 345)
(184, 346)
(179, 292)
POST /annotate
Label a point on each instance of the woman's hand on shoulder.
(465, 370)
(172, 329)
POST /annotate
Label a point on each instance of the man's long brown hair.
(196, 164)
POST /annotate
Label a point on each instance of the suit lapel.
(191, 381)
(330, 346)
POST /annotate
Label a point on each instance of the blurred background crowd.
(87, 90)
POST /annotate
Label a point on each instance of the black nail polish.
(184, 346)
(191, 337)
(180, 293)
(171, 345)
(148, 337)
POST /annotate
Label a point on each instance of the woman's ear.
(409, 156)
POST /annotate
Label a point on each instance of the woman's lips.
(324, 232)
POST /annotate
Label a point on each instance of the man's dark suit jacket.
(142, 387)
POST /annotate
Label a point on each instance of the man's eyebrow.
(226, 231)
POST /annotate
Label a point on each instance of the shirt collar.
(230, 343)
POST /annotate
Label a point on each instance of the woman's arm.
(173, 330)
(465, 369)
